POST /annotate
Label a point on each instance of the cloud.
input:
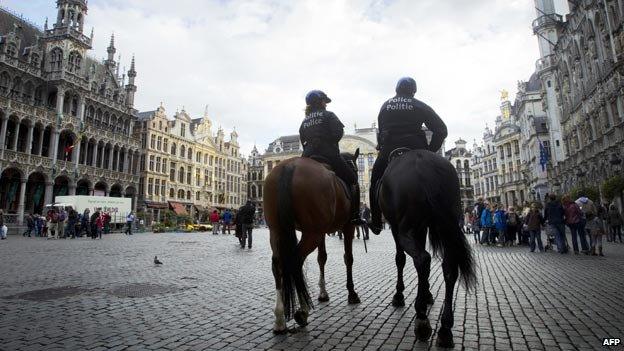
(253, 61)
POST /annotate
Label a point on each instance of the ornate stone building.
(533, 122)
(586, 64)
(255, 183)
(186, 168)
(460, 158)
(484, 167)
(66, 118)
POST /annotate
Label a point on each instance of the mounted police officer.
(320, 133)
(400, 125)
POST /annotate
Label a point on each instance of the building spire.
(111, 49)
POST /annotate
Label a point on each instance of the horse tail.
(448, 239)
(293, 280)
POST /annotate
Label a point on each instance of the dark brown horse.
(419, 195)
(303, 194)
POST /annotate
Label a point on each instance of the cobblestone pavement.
(211, 295)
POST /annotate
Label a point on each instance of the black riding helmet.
(316, 97)
(406, 86)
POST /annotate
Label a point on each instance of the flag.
(543, 156)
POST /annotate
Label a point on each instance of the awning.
(178, 208)
(157, 205)
(200, 208)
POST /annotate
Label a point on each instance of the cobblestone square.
(212, 295)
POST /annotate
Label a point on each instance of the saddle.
(325, 162)
(397, 153)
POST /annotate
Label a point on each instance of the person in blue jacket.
(487, 224)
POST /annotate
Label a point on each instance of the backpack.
(512, 219)
(54, 217)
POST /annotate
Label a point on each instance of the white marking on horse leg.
(280, 319)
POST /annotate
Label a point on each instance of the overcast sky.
(253, 61)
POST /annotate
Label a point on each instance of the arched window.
(181, 175)
(165, 144)
(75, 62)
(198, 157)
(16, 89)
(188, 195)
(56, 59)
(181, 194)
(90, 114)
(172, 193)
(106, 120)
(174, 149)
(182, 151)
(98, 117)
(190, 153)
(28, 92)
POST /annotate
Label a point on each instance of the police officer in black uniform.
(320, 133)
(400, 125)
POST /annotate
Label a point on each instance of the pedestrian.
(476, 214)
(487, 225)
(589, 209)
(53, 218)
(129, 223)
(513, 222)
(534, 221)
(85, 225)
(214, 220)
(3, 228)
(106, 218)
(30, 225)
(554, 215)
(246, 216)
(72, 220)
(99, 223)
(574, 220)
(615, 222)
(595, 227)
(227, 221)
(39, 223)
(60, 224)
(366, 219)
(500, 224)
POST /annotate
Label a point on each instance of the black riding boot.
(355, 205)
(375, 225)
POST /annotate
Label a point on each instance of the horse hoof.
(301, 317)
(398, 300)
(354, 299)
(445, 338)
(323, 297)
(430, 299)
(280, 331)
(422, 329)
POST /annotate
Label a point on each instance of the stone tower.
(547, 27)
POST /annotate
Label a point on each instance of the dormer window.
(35, 60)
(11, 50)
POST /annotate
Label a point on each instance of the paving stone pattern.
(211, 295)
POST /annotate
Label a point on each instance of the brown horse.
(303, 194)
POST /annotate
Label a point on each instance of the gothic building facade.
(586, 65)
(66, 118)
(460, 158)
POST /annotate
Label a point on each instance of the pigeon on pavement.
(156, 261)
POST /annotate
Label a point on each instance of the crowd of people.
(587, 222)
(66, 223)
(242, 221)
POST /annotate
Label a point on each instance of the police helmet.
(406, 86)
(316, 97)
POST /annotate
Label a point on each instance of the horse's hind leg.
(445, 335)
(348, 258)
(399, 299)
(416, 240)
(322, 259)
(307, 244)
